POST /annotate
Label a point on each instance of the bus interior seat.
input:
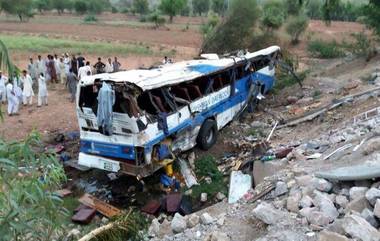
(159, 104)
(194, 92)
(181, 93)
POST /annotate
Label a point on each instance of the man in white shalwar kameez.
(3, 91)
(42, 91)
(13, 102)
(40, 65)
(27, 91)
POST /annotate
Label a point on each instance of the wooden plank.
(102, 207)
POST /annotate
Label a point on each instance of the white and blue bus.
(168, 109)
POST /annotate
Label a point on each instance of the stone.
(357, 205)
(203, 197)
(306, 202)
(318, 218)
(305, 212)
(376, 210)
(357, 192)
(291, 100)
(281, 189)
(267, 213)
(178, 223)
(219, 236)
(220, 196)
(266, 169)
(154, 228)
(292, 203)
(73, 234)
(305, 180)
(336, 227)
(370, 217)
(331, 236)
(341, 201)
(321, 184)
(192, 221)
(206, 219)
(372, 195)
(220, 221)
(358, 228)
(165, 228)
(325, 205)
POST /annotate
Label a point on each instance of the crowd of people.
(52, 70)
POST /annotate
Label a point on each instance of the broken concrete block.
(154, 228)
(357, 192)
(219, 236)
(281, 188)
(306, 202)
(267, 213)
(240, 184)
(372, 195)
(358, 228)
(204, 197)
(370, 217)
(341, 201)
(376, 210)
(357, 205)
(318, 218)
(331, 236)
(325, 205)
(206, 219)
(178, 224)
(321, 184)
(192, 221)
(220, 196)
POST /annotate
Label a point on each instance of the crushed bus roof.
(171, 74)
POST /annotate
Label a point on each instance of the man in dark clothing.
(81, 61)
(71, 83)
(74, 65)
(99, 66)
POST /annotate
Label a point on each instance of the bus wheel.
(207, 135)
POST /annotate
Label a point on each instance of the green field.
(41, 44)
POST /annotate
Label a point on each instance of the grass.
(41, 44)
(325, 50)
(206, 167)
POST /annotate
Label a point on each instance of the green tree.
(21, 8)
(372, 15)
(141, 6)
(29, 210)
(172, 7)
(97, 6)
(294, 6)
(314, 9)
(80, 6)
(296, 26)
(235, 31)
(218, 6)
(42, 5)
(273, 15)
(60, 5)
(201, 6)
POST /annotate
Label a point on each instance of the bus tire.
(207, 135)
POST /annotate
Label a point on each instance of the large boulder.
(325, 205)
(358, 228)
(372, 195)
(318, 218)
(331, 236)
(178, 223)
(357, 205)
(357, 192)
(267, 213)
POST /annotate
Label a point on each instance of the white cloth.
(66, 61)
(3, 91)
(32, 69)
(27, 86)
(83, 71)
(57, 68)
(13, 101)
(41, 67)
(42, 89)
(109, 68)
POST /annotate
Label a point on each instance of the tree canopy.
(172, 7)
(201, 6)
(273, 15)
(141, 6)
(21, 8)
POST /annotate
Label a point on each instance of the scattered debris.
(240, 184)
(187, 173)
(104, 208)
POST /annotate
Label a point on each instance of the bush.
(314, 9)
(141, 6)
(90, 19)
(212, 22)
(157, 19)
(285, 76)
(235, 31)
(325, 50)
(114, 10)
(80, 6)
(273, 15)
(296, 26)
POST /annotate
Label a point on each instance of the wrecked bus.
(168, 109)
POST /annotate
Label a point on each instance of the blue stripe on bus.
(118, 151)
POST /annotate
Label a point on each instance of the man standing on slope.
(13, 102)
(3, 91)
(27, 91)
